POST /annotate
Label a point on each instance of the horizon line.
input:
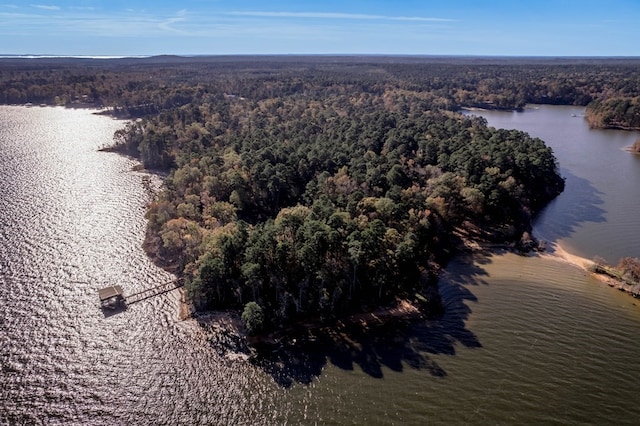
(401, 55)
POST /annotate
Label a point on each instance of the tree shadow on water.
(394, 343)
(580, 203)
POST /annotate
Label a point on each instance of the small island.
(623, 276)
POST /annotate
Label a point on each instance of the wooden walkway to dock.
(154, 291)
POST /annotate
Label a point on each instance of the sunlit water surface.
(71, 222)
(524, 340)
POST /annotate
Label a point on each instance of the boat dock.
(152, 292)
(113, 297)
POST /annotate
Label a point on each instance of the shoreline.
(559, 253)
(228, 323)
(226, 333)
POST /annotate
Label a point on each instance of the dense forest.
(305, 189)
(608, 87)
(315, 210)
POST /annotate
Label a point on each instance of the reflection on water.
(580, 203)
(395, 345)
(524, 340)
(72, 221)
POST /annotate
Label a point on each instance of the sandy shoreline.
(558, 253)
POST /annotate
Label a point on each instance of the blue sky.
(451, 27)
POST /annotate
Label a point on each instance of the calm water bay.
(526, 340)
(597, 215)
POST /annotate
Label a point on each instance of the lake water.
(526, 340)
(597, 215)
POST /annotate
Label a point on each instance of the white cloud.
(329, 15)
(88, 22)
(167, 24)
(45, 7)
(234, 26)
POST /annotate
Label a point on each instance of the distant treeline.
(610, 88)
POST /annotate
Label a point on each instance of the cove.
(596, 215)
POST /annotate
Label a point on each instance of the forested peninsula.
(312, 188)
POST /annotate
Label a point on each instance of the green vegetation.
(338, 199)
(610, 88)
(253, 317)
(313, 212)
(307, 189)
(618, 112)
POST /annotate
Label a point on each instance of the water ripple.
(524, 341)
(72, 222)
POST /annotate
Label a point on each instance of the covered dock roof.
(109, 292)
